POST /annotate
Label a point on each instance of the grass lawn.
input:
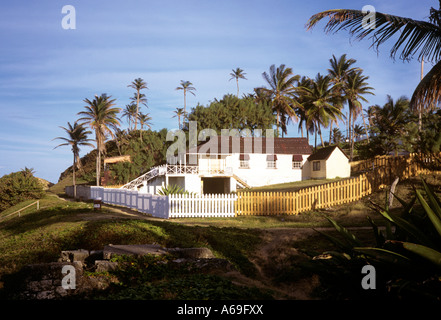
(289, 186)
(265, 250)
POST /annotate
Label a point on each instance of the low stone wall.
(83, 192)
(43, 281)
(51, 281)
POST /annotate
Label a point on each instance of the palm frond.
(413, 35)
(428, 91)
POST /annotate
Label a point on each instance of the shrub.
(171, 189)
(407, 254)
(19, 186)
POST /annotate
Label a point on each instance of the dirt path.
(276, 256)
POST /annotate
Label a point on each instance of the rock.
(43, 281)
(105, 265)
(74, 255)
(137, 249)
(48, 281)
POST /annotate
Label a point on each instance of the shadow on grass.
(41, 236)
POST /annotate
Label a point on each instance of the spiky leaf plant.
(407, 253)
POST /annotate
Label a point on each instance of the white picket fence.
(172, 206)
(210, 205)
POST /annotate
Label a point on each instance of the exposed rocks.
(114, 250)
(45, 280)
(67, 278)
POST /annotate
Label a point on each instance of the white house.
(329, 163)
(225, 163)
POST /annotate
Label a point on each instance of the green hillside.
(145, 152)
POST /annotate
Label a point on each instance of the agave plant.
(171, 189)
(407, 253)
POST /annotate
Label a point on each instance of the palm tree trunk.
(118, 146)
(315, 136)
(420, 107)
(330, 132)
(350, 132)
(365, 128)
(185, 105)
(237, 82)
(137, 109)
(98, 162)
(73, 177)
(321, 136)
(352, 140)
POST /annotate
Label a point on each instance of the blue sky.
(46, 71)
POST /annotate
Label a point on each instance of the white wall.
(259, 175)
(157, 206)
(193, 183)
(153, 186)
(338, 165)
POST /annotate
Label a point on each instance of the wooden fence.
(372, 175)
(311, 198)
(22, 209)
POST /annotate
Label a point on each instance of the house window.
(297, 160)
(316, 166)
(244, 161)
(271, 162)
(297, 164)
(244, 164)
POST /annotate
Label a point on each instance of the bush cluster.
(17, 187)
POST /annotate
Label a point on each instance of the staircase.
(153, 173)
(241, 182)
(176, 170)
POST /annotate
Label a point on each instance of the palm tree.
(131, 113)
(358, 131)
(304, 82)
(391, 121)
(186, 86)
(77, 136)
(339, 72)
(341, 68)
(138, 84)
(28, 172)
(370, 113)
(281, 93)
(322, 103)
(414, 38)
(141, 99)
(144, 120)
(355, 88)
(237, 74)
(101, 116)
(120, 139)
(337, 136)
(179, 112)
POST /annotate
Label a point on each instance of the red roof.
(325, 153)
(247, 145)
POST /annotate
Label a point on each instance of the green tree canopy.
(19, 186)
(232, 112)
